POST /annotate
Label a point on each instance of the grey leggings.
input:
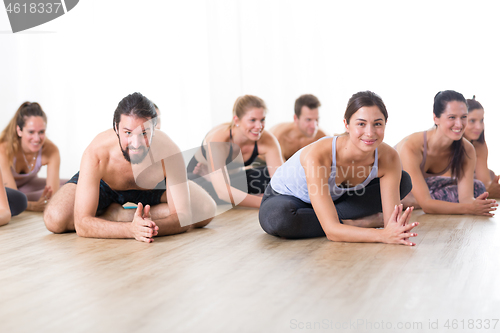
(17, 201)
(289, 217)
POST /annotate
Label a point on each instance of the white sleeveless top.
(290, 178)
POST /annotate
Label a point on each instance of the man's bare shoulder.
(101, 147)
(163, 146)
(282, 129)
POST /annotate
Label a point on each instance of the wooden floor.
(232, 277)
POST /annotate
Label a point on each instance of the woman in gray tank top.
(338, 186)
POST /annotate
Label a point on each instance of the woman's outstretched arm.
(411, 158)
(397, 230)
(483, 173)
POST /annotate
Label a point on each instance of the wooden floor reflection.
(232, 277)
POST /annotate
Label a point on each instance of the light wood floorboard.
(232, 277)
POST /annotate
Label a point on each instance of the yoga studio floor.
(232, 277)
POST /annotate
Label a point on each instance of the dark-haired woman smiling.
(474, 132)
(337, 186)
(428, 155)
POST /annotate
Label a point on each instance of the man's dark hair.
(311, 101)
(135, 104)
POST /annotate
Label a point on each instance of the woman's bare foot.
(116, 213)
(372, 221)
(202, 170)
(410, 201)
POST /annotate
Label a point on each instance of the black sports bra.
(229, 158)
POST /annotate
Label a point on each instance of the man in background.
(303, 130)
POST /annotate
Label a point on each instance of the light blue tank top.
(290, 178)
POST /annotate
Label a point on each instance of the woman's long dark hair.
(441, 100)
(472, 105)
(362, 99)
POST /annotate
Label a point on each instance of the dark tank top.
(229, 158)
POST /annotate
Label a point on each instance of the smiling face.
(252, 123)
(33, 134)
(475, 124)
(308, 121)
(134, 136)
(453, 120)
(366, 128)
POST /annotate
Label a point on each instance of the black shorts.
(107, 195)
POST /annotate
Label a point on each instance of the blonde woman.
(223, 144)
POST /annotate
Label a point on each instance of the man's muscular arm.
(87, 200)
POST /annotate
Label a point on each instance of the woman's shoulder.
(3, 148)
(480, 146)
(387, 152)
(50, 152)
(469, 147)
(319, 151)
(219, 133)
(413, 142)
(49, 148)
(267, 138)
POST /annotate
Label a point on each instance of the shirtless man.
(133, 162)
(304, 128)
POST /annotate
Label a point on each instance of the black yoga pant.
(289, 217)
(255, 181)
(17, 201)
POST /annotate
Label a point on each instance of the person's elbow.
(428, 208)
(333, 235)
(5, 217)
(80, 226)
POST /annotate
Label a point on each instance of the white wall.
(193, 58)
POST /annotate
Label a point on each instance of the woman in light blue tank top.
(338, 186)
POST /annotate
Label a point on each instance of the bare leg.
(202, 206)
(372, 221)
(59, 213)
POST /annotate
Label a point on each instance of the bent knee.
(204, 211)
(55, 221)
(203, 223)
(275, 219)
